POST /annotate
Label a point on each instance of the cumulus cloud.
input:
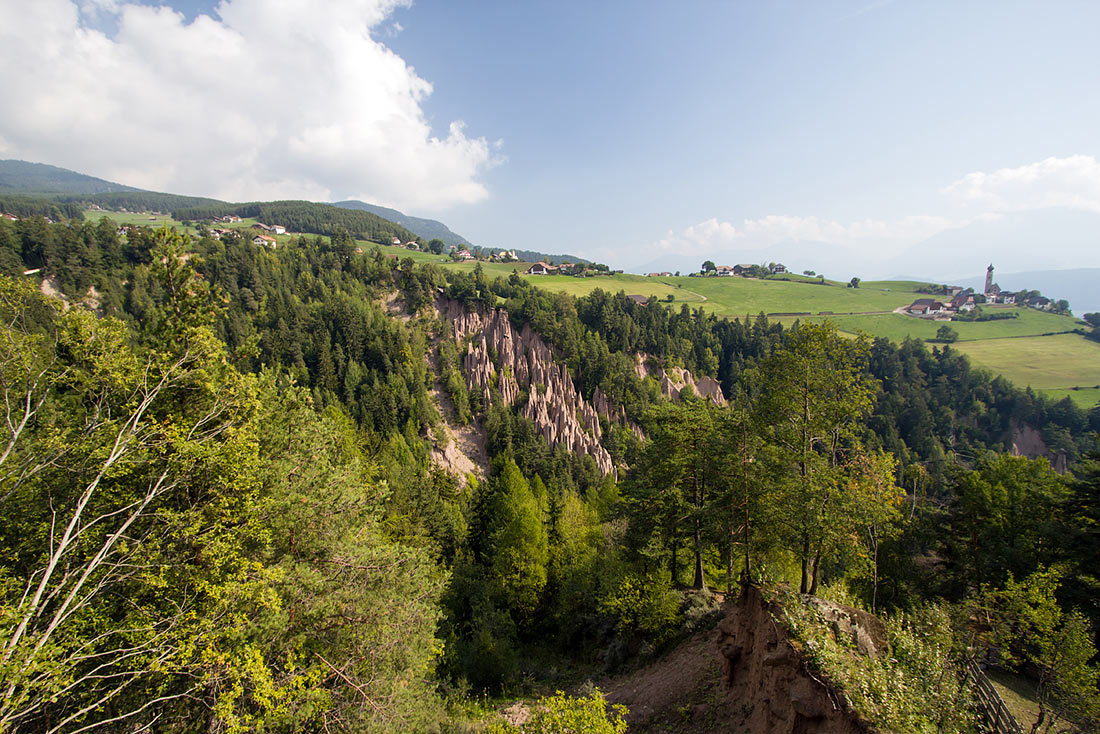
(1072, 183)
(260, 100)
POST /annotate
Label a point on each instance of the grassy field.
(1055, 363)
(740, 296)
(143, 219)
(1018, 694)
(897, 327)
(1085, 397)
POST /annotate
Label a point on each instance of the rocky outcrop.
(514, 361)
(1026, 441)
(673, 380)
(761, 666)
(849, 625)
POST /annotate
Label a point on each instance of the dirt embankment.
(744, 677)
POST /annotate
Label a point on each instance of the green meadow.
(898, 327)
(1051, 364)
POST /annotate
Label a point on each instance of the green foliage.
(1030, 627)
(182, 541)
(32, 206)
(946, 334)
(562, 714)
(517, 547)
(304, 216)
(1006, 513)
(645, 606)
(917, 686)
(815, 393)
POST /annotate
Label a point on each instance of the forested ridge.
(220, 511)
(305, 216)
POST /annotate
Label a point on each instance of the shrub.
(643, 605)
(562, 714)
(915, 687)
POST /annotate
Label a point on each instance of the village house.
(925, 307)
(725, 271)
(962, 301)
(11, 217)
(780, 268)
(659, 275)
(464, 255)
(396, 241)
(504, 256)
(742, 268)
(541, 268)
(262, 240)
(278, 229)
(640, 300)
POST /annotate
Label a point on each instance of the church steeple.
(989, 279)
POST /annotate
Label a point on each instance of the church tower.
(989, 279)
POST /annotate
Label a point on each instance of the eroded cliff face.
(521, 360)
(744, 677)
(1026, 441)
(674, 379)
(760, 666)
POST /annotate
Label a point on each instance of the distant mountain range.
(23, 177)
(429, 229)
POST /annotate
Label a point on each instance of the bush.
(645, 606)
(561, 714)
(917, 687)
(700, 610)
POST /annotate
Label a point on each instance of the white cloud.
(714, 236)
(1072, 182)
(1066, 183)
(264, 100)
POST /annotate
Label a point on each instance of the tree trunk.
(729, 562)
(813, 584)
(804, 587)
(673, 568)
(697, 534)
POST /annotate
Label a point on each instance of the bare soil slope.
(743, 677)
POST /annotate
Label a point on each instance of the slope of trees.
(305, 216)
(189, 547)
(286, 521)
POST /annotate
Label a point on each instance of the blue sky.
(838, 135)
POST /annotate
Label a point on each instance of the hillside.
(305, 216)
(1023, 348)
(39, 178)
(70, 189)
(535, 487)
(428, 229)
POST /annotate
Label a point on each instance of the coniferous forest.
(221, 512)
